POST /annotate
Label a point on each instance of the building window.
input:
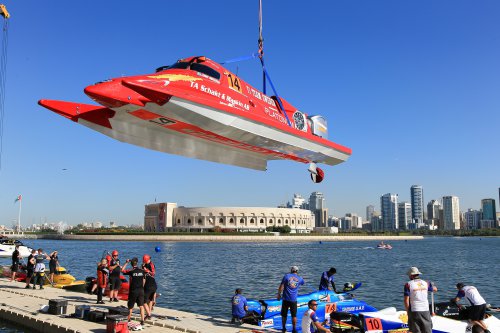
(200, 221)
(231, 220)
(286, 221)
(252, 221)
(221, 220)
(189, 221)
(293, 221)
(261, 221)
(271, 221)
(279, 221)
(242, 221)
(178, 221)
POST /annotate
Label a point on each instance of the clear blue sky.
(413, 87)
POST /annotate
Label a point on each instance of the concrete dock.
(22, 307)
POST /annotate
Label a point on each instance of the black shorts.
(289, 305)
(135, 297)
(14, 268)
(115, 283)
(29, 272)
(477, 312)
(52, 269)
(149, 295)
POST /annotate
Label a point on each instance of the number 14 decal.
(234, 82)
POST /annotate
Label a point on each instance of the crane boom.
(3, 11)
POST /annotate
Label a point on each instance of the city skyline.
(407, 86)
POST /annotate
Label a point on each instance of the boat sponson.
(74, 111)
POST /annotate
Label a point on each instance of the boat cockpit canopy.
(194, 66)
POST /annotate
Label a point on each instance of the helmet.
(146, 258)
(114, 253)
(108, 258)
(348, 286)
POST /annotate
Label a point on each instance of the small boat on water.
(8, 245)
(384, 246)
(448, 318)
(6, 271)
(62, 279)
(122, 292)
(267, 313)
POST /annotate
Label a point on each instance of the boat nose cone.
(107, 93)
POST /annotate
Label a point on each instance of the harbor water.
(200, 277)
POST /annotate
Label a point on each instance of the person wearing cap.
(114, 277)
(137, 278)
(239, 306)
(150, 285)
(477, 309)
(310, 322)
(288, 291)
(417, 303)
(328, 278)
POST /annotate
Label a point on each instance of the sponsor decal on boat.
(267, 323)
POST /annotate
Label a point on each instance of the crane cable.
(3, 72)
(265, 74)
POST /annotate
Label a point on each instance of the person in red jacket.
(102, 279)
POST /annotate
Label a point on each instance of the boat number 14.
(234, 82)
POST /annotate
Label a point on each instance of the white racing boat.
(8, 245)
(446, 320)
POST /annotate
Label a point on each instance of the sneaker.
(34, 287)
(27, 287)
(41, 287)
(100, 302)
(115, 300)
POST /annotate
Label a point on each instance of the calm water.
(201, 277)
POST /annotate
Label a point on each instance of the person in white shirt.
(310, 322)
(477, 309)
(417, 303)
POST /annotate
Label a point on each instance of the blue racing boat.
(267, 313)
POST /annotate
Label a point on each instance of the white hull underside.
(130, 129)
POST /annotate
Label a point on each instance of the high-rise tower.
(417, 205)
(389, 208)
(451, 213)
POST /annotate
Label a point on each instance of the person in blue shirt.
(239, 306)
(328, 278)
(288, 291)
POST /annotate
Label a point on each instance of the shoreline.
(220, 238)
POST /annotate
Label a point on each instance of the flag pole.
(19, 217)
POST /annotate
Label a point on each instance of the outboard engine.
(345, 322)
(449, 310)
(89, 282)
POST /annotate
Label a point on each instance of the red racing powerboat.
(199, 109)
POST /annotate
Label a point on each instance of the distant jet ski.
(448, 319)
(197, 108)
(267, 313)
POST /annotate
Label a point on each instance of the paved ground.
(22, 306)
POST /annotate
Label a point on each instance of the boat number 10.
(373, 324)
(234, 82)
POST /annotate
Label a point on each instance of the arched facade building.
(167, 217)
